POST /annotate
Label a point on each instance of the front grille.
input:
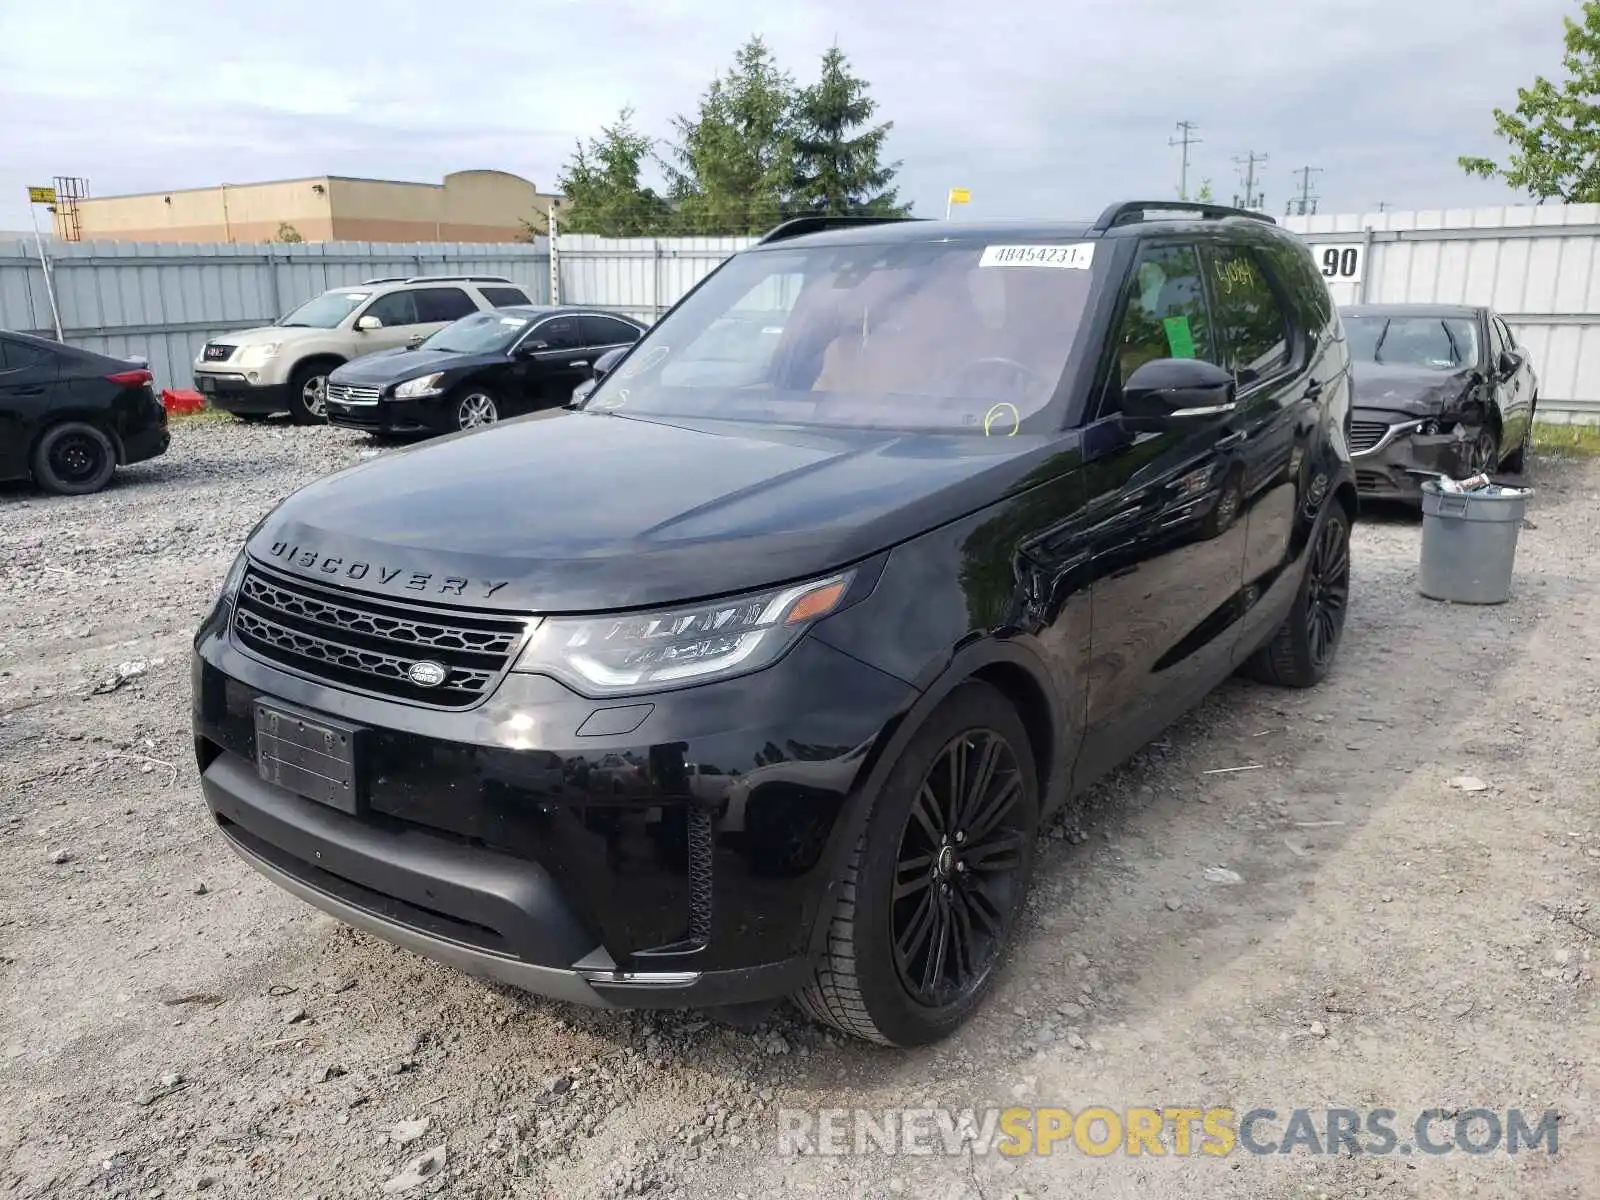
(1364, 435)
(368, 645)
(1372, 481)
(344, 393)
(216, 352)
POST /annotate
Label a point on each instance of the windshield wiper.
(293, 325)
(1377, 347)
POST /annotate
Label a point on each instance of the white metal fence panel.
(162, 301)
(642, 277)
(1536, 264)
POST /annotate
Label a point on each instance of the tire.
(864, 984)
(1516, 463)
(1485, 450)
(308, 393)
(73, 459)
(473, 407)
(1296, 656)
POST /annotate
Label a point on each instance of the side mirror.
(608, 361)
(1510, 360)
(367, 324)
(532, 347)
(1170, 392)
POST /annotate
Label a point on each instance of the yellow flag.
(960, 195)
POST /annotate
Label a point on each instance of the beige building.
(469, 206)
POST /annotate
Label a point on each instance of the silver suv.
(253, 373)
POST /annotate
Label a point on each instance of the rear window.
(501, 297)
(958, 336)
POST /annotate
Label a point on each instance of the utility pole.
(1307, 202)
(1186, 128)
(1252, 198)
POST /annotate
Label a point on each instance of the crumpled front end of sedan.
(1409, 426)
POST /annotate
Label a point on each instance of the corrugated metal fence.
(1538, 265)
(642, 277)
(162, 301)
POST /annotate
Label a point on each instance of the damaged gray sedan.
(1439, 390)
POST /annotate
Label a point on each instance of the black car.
(897, 533)
(492, 364)
(70, 417)
(1440, 389)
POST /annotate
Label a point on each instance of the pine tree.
(733, 166)
(836, 173)
(1555, 132)
(602, 183)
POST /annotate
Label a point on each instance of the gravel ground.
(171, 1023)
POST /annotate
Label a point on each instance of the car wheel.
(934, 886)
(1303, 648)
(1485, 452)
(1516, 463)
(476, 406)
(73, 459)
(308, 394)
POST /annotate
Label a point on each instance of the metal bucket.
(1469, 543)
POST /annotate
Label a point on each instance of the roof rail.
(800, 226)
(384, 279)
(456, 279)
(1129, 212)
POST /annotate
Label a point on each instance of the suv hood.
(1413, 390)
(262, 335)
(580, 512)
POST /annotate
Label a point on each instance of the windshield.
(480, 333)
(1435, 343)
(958, 336)
(326, 311)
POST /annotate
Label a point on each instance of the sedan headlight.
(423, 385)
(628, 653)
(257, 356)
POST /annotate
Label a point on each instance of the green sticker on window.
(1180, 340)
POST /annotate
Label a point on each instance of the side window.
(14, 356)
(559, 333)
(1250, 320)
(1164, 316)
(606, 331)
(502, 297)
(397, 308)
(436, 305)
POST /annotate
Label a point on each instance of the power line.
(1251, 198)
(1307, 200)
(1186, 128)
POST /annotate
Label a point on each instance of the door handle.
(580, 362)
(1314, 389)
(1232, 439)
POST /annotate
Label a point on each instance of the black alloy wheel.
(958, 874)
(1327, 592)
(73, 459)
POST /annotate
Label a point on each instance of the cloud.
(1040, 110)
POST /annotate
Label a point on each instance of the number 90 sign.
(1340, 264)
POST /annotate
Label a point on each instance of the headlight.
(256, 356)
(628, 653)
(221, 606)
(423, 385)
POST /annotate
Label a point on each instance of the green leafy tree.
(837, 173)
(604, 189)
(1204, 195)
(732, 169)
(1554, 134)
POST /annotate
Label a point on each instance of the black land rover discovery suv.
(754, 673)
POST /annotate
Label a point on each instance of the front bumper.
(389, 416)
(584, 867)
(232, 392)
(1403, 458)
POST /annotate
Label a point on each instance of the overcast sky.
(1044, 109)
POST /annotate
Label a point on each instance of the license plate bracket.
(311, 756)
(207, 385)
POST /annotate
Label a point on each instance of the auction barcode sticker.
(1077, 257)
